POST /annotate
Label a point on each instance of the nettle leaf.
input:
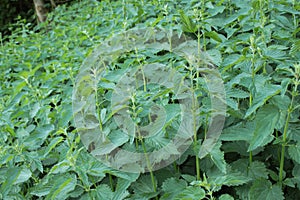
(62, 186)
(187, 24)
(215, 36)
(265, 120)
(294, 152)
(263, 94)
(14, 175)
(253, 171)
(275, 54)
(236, 93)
(226, 197)
(257, 169)
(54, 142)
(172, 186)
(121, 189)
(239, 132)
(102, 191)
(215, 56)
(296, 174)
(217, 156)
(231, 60)
(230, 179)
(263, 189)
(37, 138)
(144, 187)
(282, 102)
(295, 47)
(191, 193)
(232, 103)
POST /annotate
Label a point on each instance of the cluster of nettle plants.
(254, 44)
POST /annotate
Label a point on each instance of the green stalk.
(195, 139)
(195, 127)
(252, 91)
(286, 126)
(111, 182)
(140, 139)
(283, 145)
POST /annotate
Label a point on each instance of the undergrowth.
(254, 45)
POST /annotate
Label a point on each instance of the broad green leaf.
(60, 167)
(296, 175)
(54, 142)
(191, 193)
(236, 93)
(263, 189)
(187, 24)
(215, 56)
(257, 170)
(66, 116)
(282, 102)
(226, 197)
(62, 186)
(275, 54)
(294, 152)
(215, 36)
(172, 186)
(263, 94)
(102, 191)
(41, 191)
(14, 175)
(295, 47)
(239, 132)
(217, 156)
(230, 179)
(144, 187)
(37, 138)
(230, 60)
(121, 189)
(265, 119)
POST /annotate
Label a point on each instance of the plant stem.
(284, 137)
(111, 182)
(283, 148)
(253, 88)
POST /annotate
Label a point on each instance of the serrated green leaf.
(263, 94)
(295, 47)
(230, 179)
(236, 93)
(230, 60)
(257, 170)
(296, 175)
(187, 24)
(215, 36)
(240, 132)
(55, 141)
(37, 138)
(217, 156)
(215, 56)
(144, 187)
(102, 191)
(61, 187)
(14, 175)
(121, 189)
(191, 193)
(265, 119)
(263, 189)
(294, 152)
(226, 197)
(172, 186)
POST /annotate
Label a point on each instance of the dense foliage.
(255, 46)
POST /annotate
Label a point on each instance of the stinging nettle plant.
(254, 44)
